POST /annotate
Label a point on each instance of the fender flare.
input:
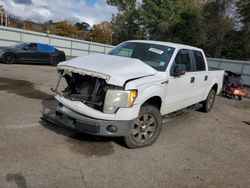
(11, 53)
(214, 82)
(149, 92)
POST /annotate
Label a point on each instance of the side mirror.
(25, 47)
(178, 70)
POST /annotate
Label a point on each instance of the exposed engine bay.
(87, 89)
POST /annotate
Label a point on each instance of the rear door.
(44, 52)
(201, 75)
(27, 53)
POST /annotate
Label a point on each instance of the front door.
(180, 89)
(28, 53)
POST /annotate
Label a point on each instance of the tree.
(49, 27)
(243, 9)
(102, 32)
(207, 24)
(216, 24)
(159, 16)
(83, 26)
(234, 42)
(65, 29)
(127, 23)
(123, 5)
(188, 30)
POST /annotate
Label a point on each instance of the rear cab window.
(199, 62)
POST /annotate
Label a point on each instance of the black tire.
(54, 61)
(207, 105)
(240, 98)
(146, 129)
(9, 59)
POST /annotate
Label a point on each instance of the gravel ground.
(194, 150)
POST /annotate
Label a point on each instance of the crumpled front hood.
(115, 70)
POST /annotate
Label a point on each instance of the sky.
(90, 11)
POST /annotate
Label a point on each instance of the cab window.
(125, 52)
(32, 46)
(155, 55)
(199, 61)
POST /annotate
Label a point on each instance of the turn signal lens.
(132, 97)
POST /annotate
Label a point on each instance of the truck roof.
(170, 44)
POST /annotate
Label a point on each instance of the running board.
(171, 116)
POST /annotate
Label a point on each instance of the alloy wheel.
(144, 128)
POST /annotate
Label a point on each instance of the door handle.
(206, 77)
(164, 82)
(192, 80)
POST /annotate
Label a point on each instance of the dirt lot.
(194, 150)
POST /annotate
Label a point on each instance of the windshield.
(154, 55)
(19, 45)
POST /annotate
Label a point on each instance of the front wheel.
(54, 61)
(146, 128)
(207, 105)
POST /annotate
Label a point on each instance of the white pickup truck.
(128, 91)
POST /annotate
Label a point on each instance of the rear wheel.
(146, 128)
(8, 58)
(207, 105)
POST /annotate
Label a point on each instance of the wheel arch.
(154, 101)
(214, 87)
(9, 53)
(215, 84)
(152, 95)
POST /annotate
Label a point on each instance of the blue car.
(31, 53)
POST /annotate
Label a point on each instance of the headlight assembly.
(118, 99)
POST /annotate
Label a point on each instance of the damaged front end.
(84, 97)
(93, 91)
(89, 90)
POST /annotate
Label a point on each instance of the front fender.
(149, 92)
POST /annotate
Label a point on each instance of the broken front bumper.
(65, 117)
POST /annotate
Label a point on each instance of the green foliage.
(188, 30)
(127, 23)
(209, 24)
(102, 32)
(244, 11)
(216, 25)
(65, 29)
(83, 26)
(123, 5)
(159, 16)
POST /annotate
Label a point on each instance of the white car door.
(201, 75)
(179, 93)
